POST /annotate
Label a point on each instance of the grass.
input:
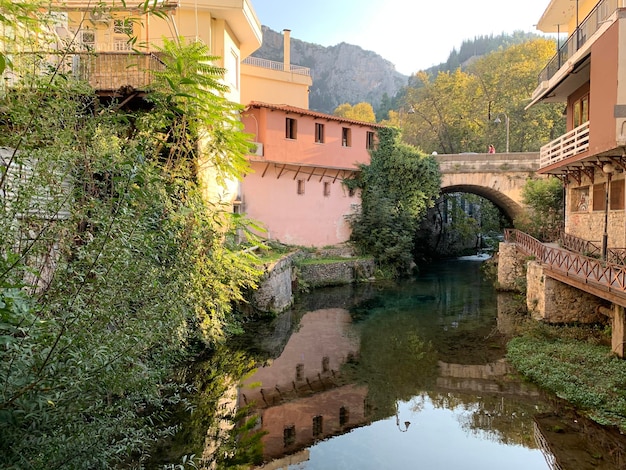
(576, 364)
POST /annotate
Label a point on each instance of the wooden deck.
(598, 277)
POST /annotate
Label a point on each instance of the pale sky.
(412, 34)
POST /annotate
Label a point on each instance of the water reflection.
(405, 375)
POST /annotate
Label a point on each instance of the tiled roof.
(308, 112)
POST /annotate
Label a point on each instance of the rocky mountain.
(341, 74)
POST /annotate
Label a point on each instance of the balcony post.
(608, 169)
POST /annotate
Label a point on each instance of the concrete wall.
(315, 217)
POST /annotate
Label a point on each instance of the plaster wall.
(308, 219)
(268, 125)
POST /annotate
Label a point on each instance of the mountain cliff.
(341, 74)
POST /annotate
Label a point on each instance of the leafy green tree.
(446, 113)
(543, 218)
(114, 267)
(397, 187)
(454, 111)
(359, 112)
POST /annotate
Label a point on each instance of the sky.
(412, 34)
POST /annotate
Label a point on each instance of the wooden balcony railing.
(568, 145)
(592, 249)
(580, 245)
(102, 70)
(584, 269)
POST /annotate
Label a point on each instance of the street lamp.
(506, 120)
(406, 423)
(607, 169)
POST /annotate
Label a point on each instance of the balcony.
(104, 71)
(274, 65)
(568, 145)
(598, 17)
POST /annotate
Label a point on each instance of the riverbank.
(575, 363)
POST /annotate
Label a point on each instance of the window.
(232, 69)
(344, 416)
(123, 26)
(318, 425)
(369, 140)
(351, 192)
(581, 111)
(291, 128)
(319, 133)
(346, 137)
(326, 188)
(289, 435)
(599, 197)
(325, 364)
(300, 188)
(617, 195)
(299, 372)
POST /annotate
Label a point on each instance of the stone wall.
(511, 267)
(555, 302)
(277, 288)
(336, 273)
(275, 291)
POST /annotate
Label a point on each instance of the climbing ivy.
(397, 188)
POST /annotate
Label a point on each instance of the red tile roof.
(308, 112)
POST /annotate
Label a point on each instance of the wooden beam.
(281, 171)
(265, 171)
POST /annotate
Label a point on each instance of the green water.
(404, 375)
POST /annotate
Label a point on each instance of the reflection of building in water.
(482, 378)
(294, 425)
(298, 396)
(570, 441)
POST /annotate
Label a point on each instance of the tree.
(543, 218)
(455, 110)
(397, 187)
(114, 267)
(359, 112)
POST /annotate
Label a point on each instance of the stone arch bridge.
(498, 177)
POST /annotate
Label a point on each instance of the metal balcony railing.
(600, 14)
(274, 65)
(584, 269)
(572, 143)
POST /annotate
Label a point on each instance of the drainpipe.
(287, 49)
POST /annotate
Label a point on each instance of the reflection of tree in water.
(208, 415)
(395, 362)
(503, 419)
(449, 315)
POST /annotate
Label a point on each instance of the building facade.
(295, 185)
(588, 75)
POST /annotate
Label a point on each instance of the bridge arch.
(509, 208)
(499, 178)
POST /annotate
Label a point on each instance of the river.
(408, 374)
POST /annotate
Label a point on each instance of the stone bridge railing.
(488, 162)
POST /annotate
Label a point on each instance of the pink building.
(295, 189)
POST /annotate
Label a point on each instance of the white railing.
(274, 65)
(568, 145)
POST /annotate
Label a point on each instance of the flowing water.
(409, 375)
